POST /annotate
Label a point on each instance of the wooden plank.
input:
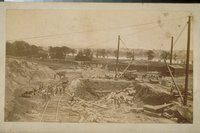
(157, 108)
(137, 110)
(152, 113)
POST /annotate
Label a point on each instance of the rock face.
(22, 76)
(153, 94)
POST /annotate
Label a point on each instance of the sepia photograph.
(99, 66)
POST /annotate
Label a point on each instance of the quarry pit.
(86, 98)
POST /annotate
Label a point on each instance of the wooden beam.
(187, 62)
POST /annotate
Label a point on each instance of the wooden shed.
(177, 70)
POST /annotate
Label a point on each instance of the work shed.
(177, 70)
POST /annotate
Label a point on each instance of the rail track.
(50, 112)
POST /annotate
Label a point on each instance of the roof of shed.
(176, 66)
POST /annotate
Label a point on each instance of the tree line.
(60, 52)
(22, 48)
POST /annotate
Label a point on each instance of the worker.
(54, 90)
(72, 97)
(44, 95)
(60, 88)
(63, 89)
(57, 89)
(117, 100)
(34, 91)
(50, 90)
(48, 95)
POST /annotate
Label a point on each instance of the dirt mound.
(22, 76)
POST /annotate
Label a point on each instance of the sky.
(98, 28)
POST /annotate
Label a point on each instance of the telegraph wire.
(114, 28)
(179, 35)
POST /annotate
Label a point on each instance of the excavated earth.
(87, 98)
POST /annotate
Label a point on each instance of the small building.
(177, 70)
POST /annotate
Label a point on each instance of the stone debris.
(130, 97)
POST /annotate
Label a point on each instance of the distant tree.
(10, 49)
(150, 54)
(22, 48)
(115, 53)
(103, 53)
(80, 55)
(165, 55)
(130, 55)
(56, 53)
(97, 53)
(88, 52)
(84, 55)
(60, 52)
(43, 54)
(33, 50)
(73, 51)
(65, 50)
(108, 52)
(175, 57)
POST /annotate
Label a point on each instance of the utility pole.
(117, 61)
(187, 62)
(171, 56)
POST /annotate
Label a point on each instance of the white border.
(25, 127)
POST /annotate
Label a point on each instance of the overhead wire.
(105, 41)
(125, 34)
(124, 44)
(129, 35)
(175, 42)
(178, 37)
(114, 28)
(108, 40)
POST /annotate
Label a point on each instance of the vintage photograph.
(99, 66)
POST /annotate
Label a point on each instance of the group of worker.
(49, 91)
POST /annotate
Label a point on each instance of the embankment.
(22, 76)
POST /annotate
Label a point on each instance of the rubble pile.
(135, 99)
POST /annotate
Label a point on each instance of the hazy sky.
(97, 28)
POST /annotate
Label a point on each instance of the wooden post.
(187, 62)
(117, 61)
(170, 72)
(125, 69)
(171, 56)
